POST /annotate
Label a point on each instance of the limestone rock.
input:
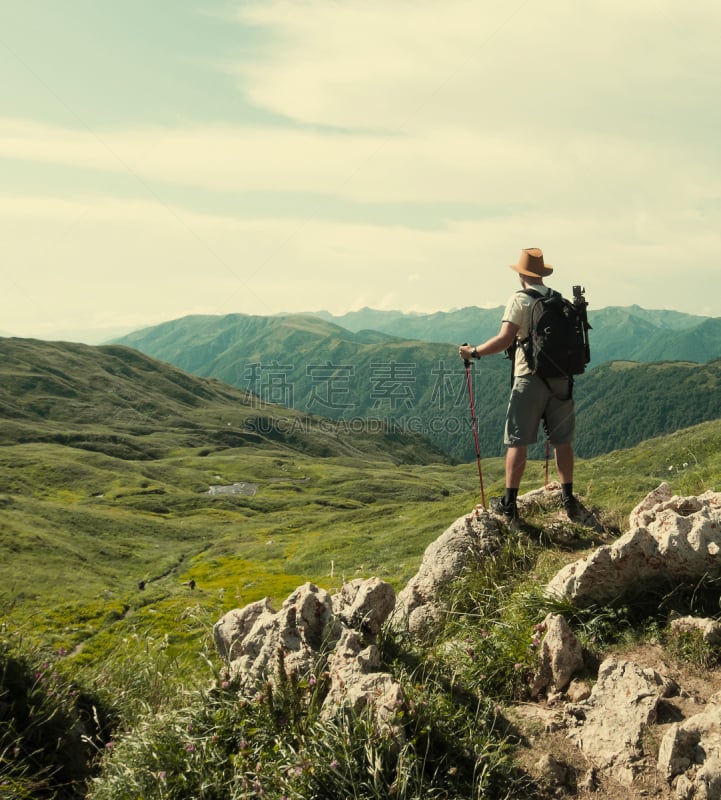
(357, 683)
(560, 656)
(364, 604)
(465, 542)
(710, 629)
(690, 754)
(316, 631)
(671, 539)
(253, 639)
(623, 702)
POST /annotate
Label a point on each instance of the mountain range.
(355, 373)
(619, 333)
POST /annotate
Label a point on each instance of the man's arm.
(496, 344)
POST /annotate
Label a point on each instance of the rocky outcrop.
(671, 539)
(315, 632)
(609, 725)
(560, 656)
(709, 630)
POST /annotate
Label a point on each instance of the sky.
(175, 157)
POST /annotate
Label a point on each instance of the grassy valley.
(107, 464)
(122, 545)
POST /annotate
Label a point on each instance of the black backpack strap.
(511, 349)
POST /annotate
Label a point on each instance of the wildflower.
(334, 764)
(517, 666)
(312, 680)
(190, 748)
(225, 685)
(109, 745)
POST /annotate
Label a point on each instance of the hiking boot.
(578, 513)
(574, 510)
(509, 511)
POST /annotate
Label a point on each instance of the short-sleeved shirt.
(516, 311)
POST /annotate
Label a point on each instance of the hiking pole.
(467, 365)
(548, 445)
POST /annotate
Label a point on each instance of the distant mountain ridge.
(629, 333)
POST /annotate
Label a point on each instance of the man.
(533, 399)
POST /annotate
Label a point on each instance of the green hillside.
(108, 457)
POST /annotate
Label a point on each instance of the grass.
(172, 724)
(80, 532)
(103, 527)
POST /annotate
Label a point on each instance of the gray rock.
(690, 754)
(623, 702)
(671, 539)
(560, 656)
(315, 632)
(419, 609)
(710, 629)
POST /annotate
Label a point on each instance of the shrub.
(50, 730)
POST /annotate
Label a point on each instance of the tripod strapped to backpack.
(581, 304)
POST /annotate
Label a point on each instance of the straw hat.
(531, 263)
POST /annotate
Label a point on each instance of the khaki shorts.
(533, 402)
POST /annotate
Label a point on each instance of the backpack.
(557, 341)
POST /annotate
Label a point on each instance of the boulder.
(708, 629)
(256, 639)
(364, 605)
(420, 607)
(623, 702)
(690, 754)
(560, 656)
(357, 683)
(671, 539)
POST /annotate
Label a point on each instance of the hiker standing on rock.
(534, 399)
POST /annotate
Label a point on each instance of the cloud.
(410, 66)
(590, 130)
